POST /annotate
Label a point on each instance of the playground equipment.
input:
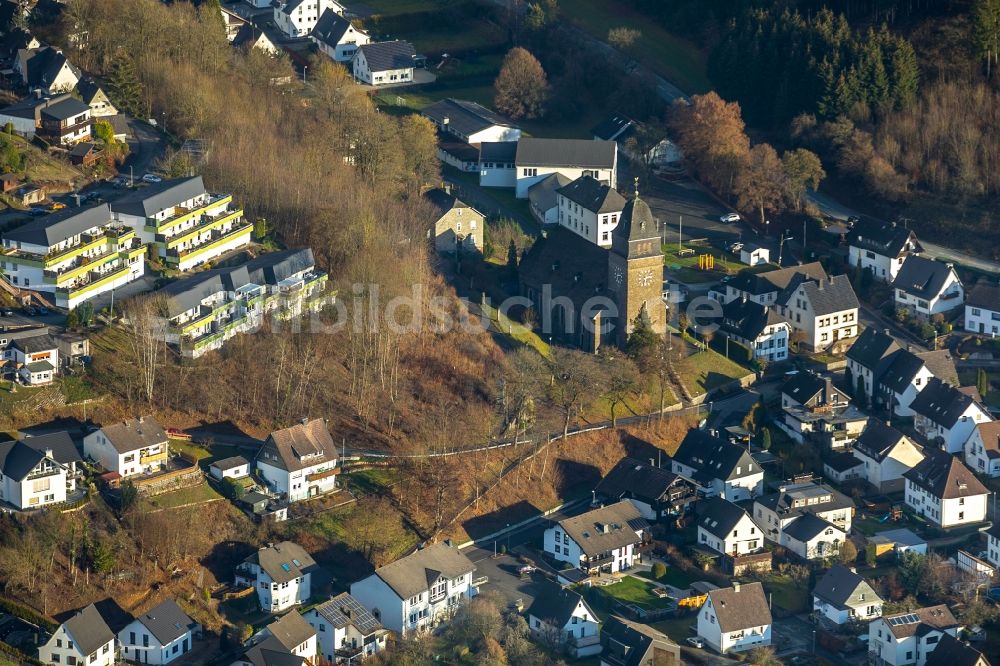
(706, 262)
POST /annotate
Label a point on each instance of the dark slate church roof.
(575, 267)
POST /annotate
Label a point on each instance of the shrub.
(659, 570)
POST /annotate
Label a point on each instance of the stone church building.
(589, 296)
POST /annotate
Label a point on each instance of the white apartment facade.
(589, 209)
(297, 18)
(573, 158)
(822, 321)
(982, 449)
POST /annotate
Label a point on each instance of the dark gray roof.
(843, 588)
(841, 462)
(36, 343)
(555, 605)
(43, 65)
(941, 403)
(740, 607)
(884, 238)
(593, 195)
(718, 516)
(166, 621)
(291, 630)
(600, 530)
(32, 105)
(904, 367)
(89, 630)
(612, 128)
(443, 201)
(88, 89)
(147, 201)
(283, 561)
(464, 117)
(803, 386)
(382, 56)
(566, 153)
(39, 366)
(19, 457)
(877, 440)
(49, 230)
(627, 643)
(331, 27)
(952, 652)
(543, 193)
(757, 284)
(714, 458)
(985, 295)
(273, 267)
(498, 151)
(874, 350)
(82, 149)
(945, 476)
(631, 477)
(133, 434)
(820, 497)
(807, 526)
(747, 319)
(230, 463)
(344, 610)
(248, 35)
(270, 652)
(922, 278)
(65, 109)
(418, 571)
(636, 224)
(834, 294)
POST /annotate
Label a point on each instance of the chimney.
(38, 93)
(445, 120)
(304, 420)
(886, 331)
(736, 586)
(820, 285)
(48, 453)
(829, 389)
(909, 347)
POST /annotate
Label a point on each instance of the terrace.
(207, 223)
(217, 240)
(180, 214)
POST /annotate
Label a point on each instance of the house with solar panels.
(908, 639)
(346, 630)
(281, 573)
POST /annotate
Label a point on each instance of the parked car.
(695, 642)
(6, 313)
(151, 178)
(56, 205)
(37, 212)
(735, 247)
(730, 217)
(90, 196)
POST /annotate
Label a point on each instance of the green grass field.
(675, 576)
(790, 594)
(670, 56)
(710, 370)
(203, 492)
(631, 590)
(516, 331)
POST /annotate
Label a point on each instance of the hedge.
(27, 613)
(738, 352)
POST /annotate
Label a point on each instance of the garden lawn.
(790, 594)
(710, 370)
(675, 576)
(372, 481)
(203, 492)
(631, 590)
(678, 628)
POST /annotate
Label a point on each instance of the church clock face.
(619, 275)
(646, 278)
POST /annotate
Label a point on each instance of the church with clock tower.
(591, 296)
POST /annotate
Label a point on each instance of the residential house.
(764, 287)
(946, 413)
(418, 591)
(726, 528)
(13, 40)
(993, 544)
(83, 639)
(497, 164)
(9, 182)
(161, 635)
(802, 498)
(299, 461)
(85, 154)
(36, 358)
(754, 255)
(560, 619)
(615, 127)
(346, 630)
(46, 68)
(384, 63)
(232, 21)
(814, 409)
(881, 247)
(867, 360)
(206, 310)
(74, 348)
(627, 643)
(536, 158)
(38, 471)
(470, 122)
(185, 224)
(842, 467)
(842, 596)
(656, 492)
(73, 255)
(907, 375)
(719, 468)
(908, 639)
(982, 449)
(458, 228)
(823, 312)
(601, 540)
(926, 287)
(944, 491)
(337, 37)
(887, 455)
(982, 309)
(235, 467)
(289, 636)
(813, 538)
(735, 619)
(130, 447)
(93, 96)
(282, 575)
(757, 327)
(590, 209)
(65, 122)
(951, 651)
(29, 194)
(543, 197)
(297, 18)
(250, 37)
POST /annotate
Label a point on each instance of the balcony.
(92, 281)
(214, 243)
(152, 458)
(179, 215)
(325, 474)
(585, 641)
(207, 223)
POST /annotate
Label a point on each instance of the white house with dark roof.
(757, 327)
(497, 166)
(94, 96)
(418, 591)
(536, 158)
(868, 358)
(73, 254)
(36, 358)
(735, 619)
(543, 197)
(812, 538)
(590, 209)
(881, 247)
(337, 37)
(561, 619)
(908, 639)
(83, 639)
(952, 651)
(627, 643)
(814, 409)
(719, 468)
(384, 63)
(993, 544)
(982, 309)
(47, 68)
(130, 447)
(297, 18)
(907, 375)
(345, 629)
(726, 528)
(38, 471)
(842, 467)
(887, 454)
(780, 515)
(235, 467)
(604, 539)
(250, 37)
(946, 413)
(982, 449)
(842, 596)
(161, 635)
(300, 461)
(926, 287)
(289, 639)
(470, 122)
(824, 312)
(945, 492)
(281, 573)
(656, 492)
(765, 287)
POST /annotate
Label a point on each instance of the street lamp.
(305, 68)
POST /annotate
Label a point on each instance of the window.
(976, 312)
(322, 627)
(530, 172)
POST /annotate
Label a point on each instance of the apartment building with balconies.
(130, 447)
(185, 223)
(74, 255)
